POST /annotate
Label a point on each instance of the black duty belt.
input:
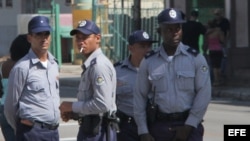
(125, 118)
(179, 116)
(39, 124)
(45, 125)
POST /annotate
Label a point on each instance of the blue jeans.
(7, 130)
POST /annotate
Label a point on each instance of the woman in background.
(19, 48)
(214, 40)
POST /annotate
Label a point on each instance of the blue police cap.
(170, 16)
(86, 27)
(39, 24)
(139, 36)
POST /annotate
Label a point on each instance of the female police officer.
(177, 78)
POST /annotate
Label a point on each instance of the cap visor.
(41, 29)
(83, 31)
(173, 22)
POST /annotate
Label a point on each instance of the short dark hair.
(19, 47)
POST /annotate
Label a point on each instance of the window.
(1, 3)
(9, 3)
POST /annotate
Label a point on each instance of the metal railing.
(116, 24)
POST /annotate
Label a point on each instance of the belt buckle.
(175, 115)
(53, 127)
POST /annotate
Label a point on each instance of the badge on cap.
(145, 35)
(82, 23)
(172, 13)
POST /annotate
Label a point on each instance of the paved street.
(220, 112)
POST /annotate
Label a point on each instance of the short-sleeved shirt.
(178, 84)
(126, 74)
(33, 91)
(96, 92)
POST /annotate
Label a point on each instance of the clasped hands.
(66, 111)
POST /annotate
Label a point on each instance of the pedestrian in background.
(192, 30)
(140, 43)
(32, 102)
(177, 81)
(214, 43)
(96, 107)
(224, 24)
(18, 49)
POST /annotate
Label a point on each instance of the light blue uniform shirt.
(126, 76)
(96, 92)
(33, 91)
(182, 83)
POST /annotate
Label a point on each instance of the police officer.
(176, 78)
(96, 92)
(139, 44)
(32, 101)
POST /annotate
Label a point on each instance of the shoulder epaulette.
(117, 63)
(93, 62)
(192, 51)
(56, 61)
(149, 54)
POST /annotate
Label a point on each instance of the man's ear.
(98, 37)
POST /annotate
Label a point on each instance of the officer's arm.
(140, 98)
(16, 83)
(203, 91)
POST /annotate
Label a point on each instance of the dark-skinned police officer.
(176, 79)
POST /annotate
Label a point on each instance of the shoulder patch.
(149, 54)
(192, 51)
(118, 63)
(93, 62)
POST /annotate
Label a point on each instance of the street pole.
(137, 14)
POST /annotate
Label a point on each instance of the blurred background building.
(117, 18)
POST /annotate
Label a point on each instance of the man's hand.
(182, 132)
(146, 137)
(66, 110)
(66, 116)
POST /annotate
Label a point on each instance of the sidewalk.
(70, 77)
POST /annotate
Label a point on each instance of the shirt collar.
(93, 55)
(35, 60)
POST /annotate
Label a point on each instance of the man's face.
(140, 49)
(40, 41)
(86, 44)
(171, 34)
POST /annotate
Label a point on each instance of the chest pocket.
(124, 89)
(159, 82)
(37, 90)
(185, 80)
(84, 85)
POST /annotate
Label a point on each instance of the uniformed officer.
(32, 101)
(177, 80)
(139, 44)
(96, 92)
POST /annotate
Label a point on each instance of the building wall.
(8, 26)
(9, 22)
